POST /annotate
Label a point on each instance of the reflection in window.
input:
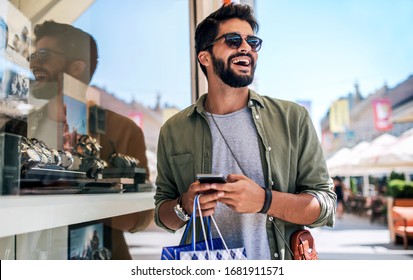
(143, 70)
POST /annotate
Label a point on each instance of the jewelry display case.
(39, 224)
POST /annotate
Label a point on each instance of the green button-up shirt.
(292, 159)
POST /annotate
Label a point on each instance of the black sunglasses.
(234, 41)
(43, 55)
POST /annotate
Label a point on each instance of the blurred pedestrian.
(339, 190)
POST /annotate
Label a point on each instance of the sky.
(144, 49)
(312, 50)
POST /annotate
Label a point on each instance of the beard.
(47, 89)
(228, 76)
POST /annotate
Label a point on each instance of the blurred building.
(387, 110)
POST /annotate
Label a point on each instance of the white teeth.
(241, 60)
(40, 76)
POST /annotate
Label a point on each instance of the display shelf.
(22, 214)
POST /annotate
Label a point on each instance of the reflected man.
(62, 48)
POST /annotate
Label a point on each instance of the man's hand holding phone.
(204, 184)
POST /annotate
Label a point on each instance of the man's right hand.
(208, 200)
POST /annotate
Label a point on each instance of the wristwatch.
(30, 158)
(66, 159)
(180, 212)
(57, 159)
(44, 158)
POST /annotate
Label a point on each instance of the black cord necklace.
(268, 193)
(208, 107)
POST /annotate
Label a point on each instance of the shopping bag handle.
(193, 218)
(188, 225)
(203, 227)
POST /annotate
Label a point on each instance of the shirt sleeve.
(165, 189)
(313, 177)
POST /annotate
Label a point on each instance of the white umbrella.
(376, 148)
(400, 153)
(345, 160)
(337, 158)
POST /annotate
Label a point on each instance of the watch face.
(29, 159)
(181, 214)
(32, 155)
(67, 159)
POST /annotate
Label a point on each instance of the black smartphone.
(211, 178)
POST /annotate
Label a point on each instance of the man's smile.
(242, 63)
(40, 75)
(245, 61)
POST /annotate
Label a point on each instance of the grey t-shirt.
(239, 230)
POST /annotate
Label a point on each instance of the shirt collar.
(254, 100)
(199, 106)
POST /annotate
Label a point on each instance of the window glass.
(142, 74)
(144, 61)
(144, 49)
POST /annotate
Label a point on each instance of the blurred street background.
(354, 237)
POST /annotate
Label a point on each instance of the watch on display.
(87, 146)
(122, 161)
(48, 154)
(57, 159)
(30, 158)
(44, 160)
(180, 212)
(66, 159)
(94, 166)
(30, 155)
(25, 144)
(30, 147)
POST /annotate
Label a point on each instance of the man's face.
(235, 67)
(48, 61)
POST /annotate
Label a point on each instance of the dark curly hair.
(207, 30)
(75, 43)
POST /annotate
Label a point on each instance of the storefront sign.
(382, 114)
